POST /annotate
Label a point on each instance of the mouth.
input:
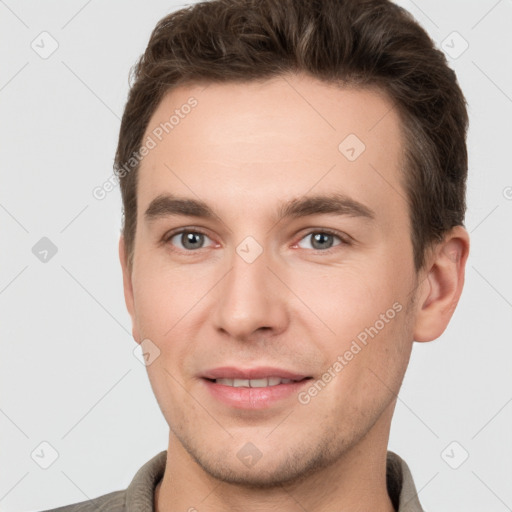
(255, 388)
(255, 383)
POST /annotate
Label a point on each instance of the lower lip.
(253, 398)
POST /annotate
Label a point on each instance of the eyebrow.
(166, 205)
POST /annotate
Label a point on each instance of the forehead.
(275, 139)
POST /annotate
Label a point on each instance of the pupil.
(192, 240)
(322, 238)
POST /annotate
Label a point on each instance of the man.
(293, 181)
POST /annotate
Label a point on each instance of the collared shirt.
(139, 495)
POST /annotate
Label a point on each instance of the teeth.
(257, 383)
(253, 383)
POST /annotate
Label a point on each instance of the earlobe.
(443, 285)
(128, 287)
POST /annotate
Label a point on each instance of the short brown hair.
(361, 43)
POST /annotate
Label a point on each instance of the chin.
(271, 470)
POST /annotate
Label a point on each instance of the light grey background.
(68, 374)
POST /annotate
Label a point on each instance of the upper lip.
(260, 372)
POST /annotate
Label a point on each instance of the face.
(282, 250)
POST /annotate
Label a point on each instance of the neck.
(356, 481)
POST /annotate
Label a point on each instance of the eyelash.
(344, 239)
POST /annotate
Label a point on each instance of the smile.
(254, 383)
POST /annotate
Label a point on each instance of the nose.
(251, 300)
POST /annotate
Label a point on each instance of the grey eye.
(320, 240)
(189, 240)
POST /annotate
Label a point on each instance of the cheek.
(368, 369)
(365, 311)
(168, 392)
(169, 304)
(165, 294)
(346, 299)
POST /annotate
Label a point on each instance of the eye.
(321, 240)
(188, 239)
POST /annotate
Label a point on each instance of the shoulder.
(114, 502)
(138, 496)
(400, 484)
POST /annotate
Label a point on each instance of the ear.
(441, 288)
(128, 288)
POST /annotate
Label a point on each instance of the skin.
(244, 149)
